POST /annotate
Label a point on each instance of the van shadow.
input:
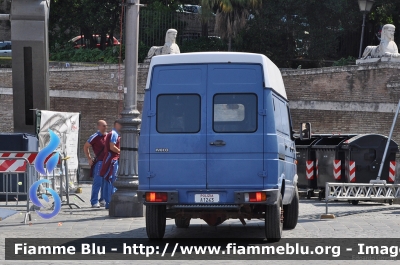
(199, 231)
(233, 229)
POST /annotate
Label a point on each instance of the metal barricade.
(65, 173)
(12, 186)
(61, 182)
(16, 164)
(360, 192)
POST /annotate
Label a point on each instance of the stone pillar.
(30, 60)
(125, 203)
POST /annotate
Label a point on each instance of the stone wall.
(350, 99)
(93, 91)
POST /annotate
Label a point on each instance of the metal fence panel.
(154, 25)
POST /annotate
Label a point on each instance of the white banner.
(66, 126)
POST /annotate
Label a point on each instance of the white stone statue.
(170, 46)
(387, 47)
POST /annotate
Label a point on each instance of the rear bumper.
(239, 199)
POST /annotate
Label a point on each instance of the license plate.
(206, 198)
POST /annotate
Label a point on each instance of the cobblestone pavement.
(368, 219)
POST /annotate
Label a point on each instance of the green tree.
(83, 17)
(231, 15)
(383, 12)
(86, 17)
(293, 32)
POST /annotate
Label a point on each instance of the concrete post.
(125, 203)
(30, 60)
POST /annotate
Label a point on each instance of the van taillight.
(255, 197)
(156, 197)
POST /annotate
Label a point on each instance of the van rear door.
(177, 127)
(235, 109)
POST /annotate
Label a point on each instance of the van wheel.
(155, 221)
(273, 221)
(291, 212)
(182, 222)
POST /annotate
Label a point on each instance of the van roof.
(272, 75)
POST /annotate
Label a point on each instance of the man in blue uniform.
(109, 168)
(97, 142)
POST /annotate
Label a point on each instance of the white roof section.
(272, 74)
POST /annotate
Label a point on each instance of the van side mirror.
(305, 131)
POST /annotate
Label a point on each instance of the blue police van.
(216, 142)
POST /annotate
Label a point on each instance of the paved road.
(362, 221)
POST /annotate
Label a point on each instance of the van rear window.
(235, 113)
(178, 113)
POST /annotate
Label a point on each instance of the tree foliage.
(290, 32)
(312, 32)
(204, 44)
(231, 15)
(286, 30)
(86, 17)
(385, 12)
(83, 17)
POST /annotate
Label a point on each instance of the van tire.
(155, 221)
(291, 212)
(182, 222)
(273, 221)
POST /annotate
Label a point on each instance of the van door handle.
(218, 143)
